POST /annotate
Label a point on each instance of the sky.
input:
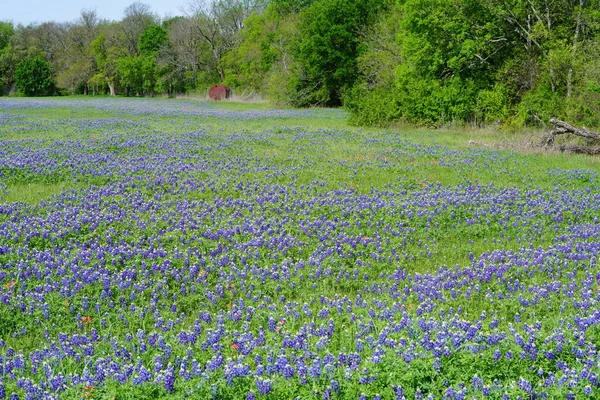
(28, 11)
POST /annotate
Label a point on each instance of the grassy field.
(157, 248)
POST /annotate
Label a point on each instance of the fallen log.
(561, 128)
(592, 151)
(575, 131)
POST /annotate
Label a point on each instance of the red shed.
(219, 92)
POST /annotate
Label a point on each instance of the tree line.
(426, 62)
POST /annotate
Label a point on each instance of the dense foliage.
(329, 46)
(483, 61)
(33, 77)
(427, 62)
(177, 249)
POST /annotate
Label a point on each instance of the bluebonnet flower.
(263, 386)
(170, 379)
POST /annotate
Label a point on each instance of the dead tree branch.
(561, 128)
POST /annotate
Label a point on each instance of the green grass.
(342, 163)
(33, 193)
(298, 151)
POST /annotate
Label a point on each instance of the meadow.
(154, 248)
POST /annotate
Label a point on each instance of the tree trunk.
(111, 87)
(561, 127)
(592, 151)
(575, 131)
(574, 50)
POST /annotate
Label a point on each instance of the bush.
(492, 105)
(377, 107)
(431, 102)
(33, 77)
(539, 105)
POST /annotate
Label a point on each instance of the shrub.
(377, 107)
(492, 105)
(33, 77)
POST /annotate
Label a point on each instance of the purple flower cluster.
(199, 264)
(161, 108)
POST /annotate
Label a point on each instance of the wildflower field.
(180, 249)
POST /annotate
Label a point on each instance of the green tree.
(77, 64)
(106, 57)
(8, 62)
(7, 31)
(33, 77)
(149, 75)
(287, 7)
(151, 40)
(180, 59)
(328, 47)
(554, 44)
(7, 57)
(247, 65)
(451, 52)
(373, 100)
(130, 74)
(137, 18)
(445, 56)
